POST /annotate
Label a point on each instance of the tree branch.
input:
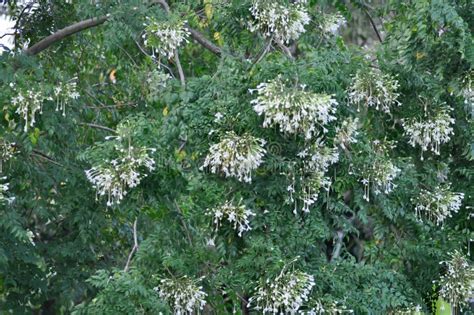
(373, 25)
(198, 37)
(134, 248)
(65, 32)
(98, 127)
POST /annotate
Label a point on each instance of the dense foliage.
(220, 156)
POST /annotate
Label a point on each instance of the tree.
(236, 157)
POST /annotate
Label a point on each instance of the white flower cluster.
(283, 295)
(468, 90)
(238, 215)
(114, 178)
(317, 159)
(439, 204)
(347, 132)
(457, 285)
(156, 81)
(280, 22)
(184, 295)
(28, 104)
(7, 149)
(63, 93)
(236, 156)
(293, 109)
(332, 308)
(430, 134)
(410, 310)
(165, 36)
(374, 89)
(332, 23)
(3, 191)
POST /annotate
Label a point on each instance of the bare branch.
(134, 248)
(198, 37)
(180, 68)
(46, 157)
(373, 25)
(65, 32)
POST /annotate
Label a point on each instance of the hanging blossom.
(284, 294)
(320, 308)
(164, 37)
(468, 90)
(28, 103)
(115, 177)
(332, 23)
(236, 156)
(7, 150)
(379, 173)
(238, 215)
(3, 192)
(430, 134)
(316, 159)
(347, 133)
(156, 81)
(63, 93)
(439, 204)
(457, 284)
(280, 22)
(374, 89)
(293, 109)
(410, 310)
(184, 295)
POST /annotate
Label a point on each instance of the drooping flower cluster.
(332, 308)
(156, 81)
(332, 23)
(164, 37)
(280, 22)
(430, 134)
(409, 310)
(7, 149)
(115, 177)
(379, 173)
(28, 104)
(468, 90)
(439, 204)
(184, 295)
(236, 156)
(317, 159)
(284, 294)
(63, 93)
(457, 284)
(374, 89)
(293, 109)
(347, 133)
(3, 192)
(239, 215)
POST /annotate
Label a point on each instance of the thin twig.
(98, 127)
(373, 25)
(134, 248)
(44, 156)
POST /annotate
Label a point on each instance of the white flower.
(284, 294)
(63, 93)
(28, 104)
(183, 295)
(467, 91)
(165, 36)
(321, 308)
(439, 204)
(114, 178)
(457, 285)
(293, 109)
(332, 23)
(218, 117)
(239, 216)
(347, 132)
(236, 156)
(277, 21)
(3, 192)
(7, 150)
(374, 89)
(430, 134)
